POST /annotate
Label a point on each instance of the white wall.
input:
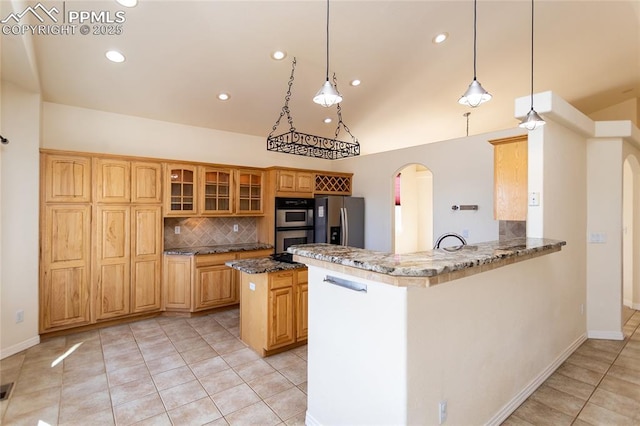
(19, 219)
(462, 174)
(80, 129)
(627, 110)
(627, 236)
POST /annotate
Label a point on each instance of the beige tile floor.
(599, 384)
(162, 371)
(196, 371)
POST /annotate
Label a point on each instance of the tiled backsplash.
(209, 231)
(512, 229)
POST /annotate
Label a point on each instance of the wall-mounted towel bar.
(464, 207)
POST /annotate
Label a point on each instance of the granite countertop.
(262, 265)
(222, 248)
(431, 263)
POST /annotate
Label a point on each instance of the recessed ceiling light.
(440, 38)
(327, 120)
(279, 55)
(224, 96)
(355, 82)
(128, 3)
(114, 56)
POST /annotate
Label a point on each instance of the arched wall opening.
(412, 209)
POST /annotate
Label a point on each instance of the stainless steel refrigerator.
(339, 220)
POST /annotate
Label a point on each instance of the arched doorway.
(631, 233)
(412, 209)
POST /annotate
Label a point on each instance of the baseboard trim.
(310, 421)
(607, 335)
(512, 405)
(12, 350)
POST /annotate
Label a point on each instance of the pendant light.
(327, 95)
(475, 94)
(532, 120)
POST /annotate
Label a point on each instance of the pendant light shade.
(327, 95)
(532, 120)
(475, 94)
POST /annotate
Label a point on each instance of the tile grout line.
(606, 372)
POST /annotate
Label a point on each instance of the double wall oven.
(294, 223)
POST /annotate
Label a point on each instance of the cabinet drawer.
(213, 259)
(302, 275)
(281, 280)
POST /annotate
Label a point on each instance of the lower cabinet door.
(111, 272)
(302, 302)
(65, 265)
(281, 319)
(215, 286)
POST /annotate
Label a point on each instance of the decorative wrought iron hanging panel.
(294, 142)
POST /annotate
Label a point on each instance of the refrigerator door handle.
(343, 225)
(346, 227)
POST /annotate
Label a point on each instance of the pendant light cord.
(327, 40)
(532, 54)
(475, 19)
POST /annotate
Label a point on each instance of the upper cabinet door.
(510, 178)
(113, 180)
(216, 191)
(146, 183)
(67, 178)
(249, 187)
(180, 190)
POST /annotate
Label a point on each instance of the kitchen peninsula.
(417, 338)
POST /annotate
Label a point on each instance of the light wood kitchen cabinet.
(273, 310)
(194, 283)
(112, 180)
(67, 178)
(249, 192)
(302, 303)
(215, 283)
(146, 182)
(180, 190)
(330, 183)
(111, 269)
(510, 178)
(146, 257)
(215, 191)
(65, 266)
(294, 181)
(176, 282)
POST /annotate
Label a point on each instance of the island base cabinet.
(273, 311)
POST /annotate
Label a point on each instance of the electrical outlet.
(442, 412)
(235, 227)
(176, 230)
(534, 198)
(19, 316)
(582, 308)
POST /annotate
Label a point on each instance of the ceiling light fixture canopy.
(328, 94)
(475, 94)
(532, 120)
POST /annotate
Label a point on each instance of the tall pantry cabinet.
(102, 249)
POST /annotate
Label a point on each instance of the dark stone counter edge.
(222, 248)
(428, 263)
(262, 265)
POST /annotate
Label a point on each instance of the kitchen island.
(444, 335)
(273, 304)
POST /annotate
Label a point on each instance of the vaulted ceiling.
(181, 54)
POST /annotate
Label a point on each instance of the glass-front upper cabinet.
(249, 187)
(216, 189)
(180, 199)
